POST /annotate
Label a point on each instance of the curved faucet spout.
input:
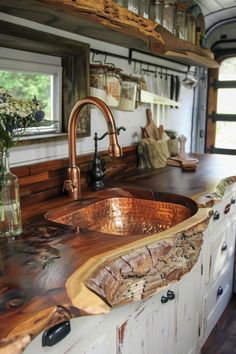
(72, 185)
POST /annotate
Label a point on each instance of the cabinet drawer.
(221, 252)
(216, 300)
(223, 212)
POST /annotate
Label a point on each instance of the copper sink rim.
(143, 220)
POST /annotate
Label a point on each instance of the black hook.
(105, 62)
(161, 74)
(156, 71)
(140, 68)
(166, 75)
(96, 61)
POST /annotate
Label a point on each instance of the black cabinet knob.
(233, 200)
(170, 295)
(224, 247)
(164, 299)
(220, 291)
(216, 215)
(55, 334)
(227, 208)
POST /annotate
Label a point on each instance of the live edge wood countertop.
(55, 272)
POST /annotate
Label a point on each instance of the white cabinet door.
(218, 263)
(89, 335)
(150, 329)
(146, 327)
(188, 306)
(215, 301)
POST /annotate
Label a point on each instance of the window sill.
(41, 138)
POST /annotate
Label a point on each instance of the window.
(27, 75)
(223, 119)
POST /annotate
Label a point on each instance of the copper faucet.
(72, 184)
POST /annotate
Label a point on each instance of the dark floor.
(222, 339)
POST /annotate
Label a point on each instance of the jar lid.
(98, 66)
(130, 78)
(180, 6)
(113, 68)
(172, 134)
(156, 2)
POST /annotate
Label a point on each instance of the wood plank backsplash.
(43, 181)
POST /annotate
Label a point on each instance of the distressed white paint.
(188, 314)
(180, 326)
(149, 326)
(218, 265)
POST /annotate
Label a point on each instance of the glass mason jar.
(98, 81)
(128, 93)
(156, 11)
(169, 15)
(190, 28)
(133, 5)
(10, 215)
(113, 87)
(123, 3)
(180, 21)
(144, 8)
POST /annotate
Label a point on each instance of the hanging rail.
(141, 62)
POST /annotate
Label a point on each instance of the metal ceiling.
(210, 6)
(220, 22)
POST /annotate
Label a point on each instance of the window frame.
(74, 57)
(17, 60)
(212, 116)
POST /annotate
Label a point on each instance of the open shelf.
(107, 21)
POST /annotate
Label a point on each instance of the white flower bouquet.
(16, 115)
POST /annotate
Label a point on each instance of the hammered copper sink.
(123, 216)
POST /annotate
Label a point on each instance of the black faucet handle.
(101, 137)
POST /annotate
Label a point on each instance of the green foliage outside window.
(26, 85)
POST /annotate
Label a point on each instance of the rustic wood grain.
(131, 276)
(23, 181)
(211, 108)
(21, 171)
(122, 274)
(76, 70)
(47, 166)
(44, 180)
(106, 20)
(44, 273)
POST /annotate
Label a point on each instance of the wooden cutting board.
(188, 164)
(151, 130)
